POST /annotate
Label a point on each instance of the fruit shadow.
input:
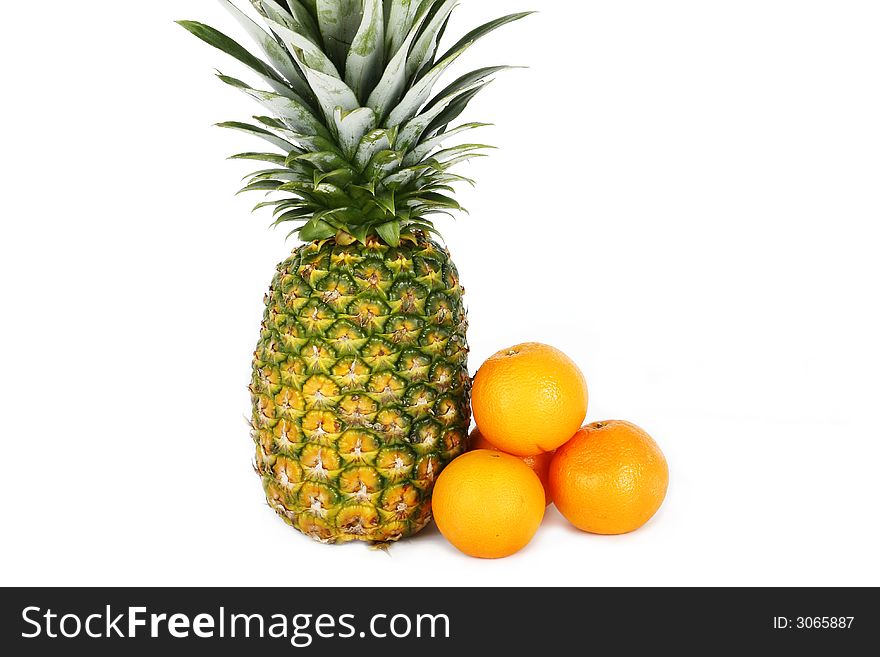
(552, 518)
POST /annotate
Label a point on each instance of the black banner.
(433, 621)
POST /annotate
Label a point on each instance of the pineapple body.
(360, 387)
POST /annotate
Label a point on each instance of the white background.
(685, 201)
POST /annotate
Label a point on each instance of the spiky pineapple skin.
(360, 388)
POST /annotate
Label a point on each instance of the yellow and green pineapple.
(360, 385)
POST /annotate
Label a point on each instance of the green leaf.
(277, 203)
(451, 162)
(271, 122)
(338, 21)
(467, 80)
(464, 84)
(326, 193)
(386, 202)
(405, 176)
(333, 216)
(306, 143)
(290, 204)
(294, 113)
(399, 17)
(415, 127)
(331, 93)
(382, 164)
(477, 33)
(419, 93)
(302, 48)
(426, 209)
(321, 74)
(261, 175)
(272, 49)
(222, 42)
(342, 176)
(439, 188)
(431, 61)
(425, 46)
(425, 147)
(302, 214)
(426, 226)
(316, 230)
(351, 128)
(310, 6)
(274, 158)
(261, 185)
(389, 232)
(306, 14)
(455, 178)
(363, 67)
(288, 175)
(373, 142)
(359, 232)
(298, 18)
(283, 144)
(324, 161)
(448, 154)
(452, 111)
(368, 187)
(438, 200)
(394, 79)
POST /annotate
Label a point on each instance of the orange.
(529, 399)
(610, 478)
(539, 463)
(488, 504)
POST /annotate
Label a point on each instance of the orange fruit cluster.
(529, 449)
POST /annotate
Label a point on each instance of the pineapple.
(360, 386)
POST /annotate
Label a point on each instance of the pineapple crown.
(350, 97)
